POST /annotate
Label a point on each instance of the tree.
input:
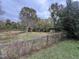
(2, 25)
(8, 24)
(28, 17)
(55, 10)
(43, 25)
(14, 25)
(69, 19)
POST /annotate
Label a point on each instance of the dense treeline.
(10, 25)
(40, 25)
(68, 18)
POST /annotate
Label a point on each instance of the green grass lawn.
(62, 50)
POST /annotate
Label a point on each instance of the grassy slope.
(63, 50)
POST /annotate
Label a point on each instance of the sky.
(12, 8)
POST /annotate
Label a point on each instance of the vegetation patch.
(63, 50)
(31, 35)
(16, 35)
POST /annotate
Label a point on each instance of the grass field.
(62, 50)
(31, 35)
(11, 35)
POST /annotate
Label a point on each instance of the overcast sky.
(13, 7)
